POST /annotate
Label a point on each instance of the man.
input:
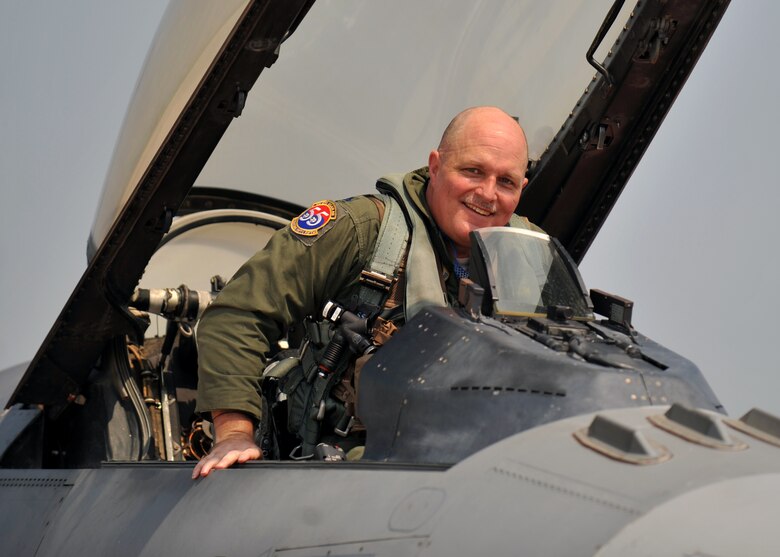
(473, 180)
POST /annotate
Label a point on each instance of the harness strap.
(380, 273)
(422, 273)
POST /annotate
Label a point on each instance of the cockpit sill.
(292, 464)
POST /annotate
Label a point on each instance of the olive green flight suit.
(293, 277)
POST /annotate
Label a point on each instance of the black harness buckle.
(376, 280)
(345, 431)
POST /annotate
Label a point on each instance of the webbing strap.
(423, 285)
(388, 252)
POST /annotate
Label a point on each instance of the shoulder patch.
(314, 221)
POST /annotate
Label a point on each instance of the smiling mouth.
(479, 210)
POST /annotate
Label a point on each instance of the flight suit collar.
(416, 184)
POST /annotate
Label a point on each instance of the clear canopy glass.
(360, 89)
(528, 273)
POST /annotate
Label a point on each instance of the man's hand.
(234, 433)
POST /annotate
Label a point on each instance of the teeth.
(478, 210)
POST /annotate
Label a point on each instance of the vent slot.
(34, 482)
(507, 389)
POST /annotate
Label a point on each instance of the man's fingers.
(222, 457)
(227, 460)
(250, 454)
(196, 470)
(209, 463)
(202, 469)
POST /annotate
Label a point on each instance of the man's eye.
(504, 181)
(475, 171)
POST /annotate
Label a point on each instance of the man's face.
(477, 179)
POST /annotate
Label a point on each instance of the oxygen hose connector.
(172, 303)
(351, 331)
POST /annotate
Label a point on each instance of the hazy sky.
(691, 240)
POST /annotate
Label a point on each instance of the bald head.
(489, 116)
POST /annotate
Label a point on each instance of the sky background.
(691, 240)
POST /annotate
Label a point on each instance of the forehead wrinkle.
(468, 156)
(495, 140)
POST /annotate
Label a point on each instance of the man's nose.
(487, 188)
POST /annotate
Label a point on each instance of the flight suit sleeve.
(292, 277)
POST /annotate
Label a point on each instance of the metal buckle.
(302, 457)
(376, 280)
(320, 411)
(329, 453)
(344, 432)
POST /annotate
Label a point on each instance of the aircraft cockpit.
(111, 386)
(525, 348)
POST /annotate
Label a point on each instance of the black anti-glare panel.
(444, 386)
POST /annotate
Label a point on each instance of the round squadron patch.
(313, 219)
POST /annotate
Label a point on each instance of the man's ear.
(434, 162)
(525, 183)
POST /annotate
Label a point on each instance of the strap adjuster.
(377, 280)
(344, 432)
